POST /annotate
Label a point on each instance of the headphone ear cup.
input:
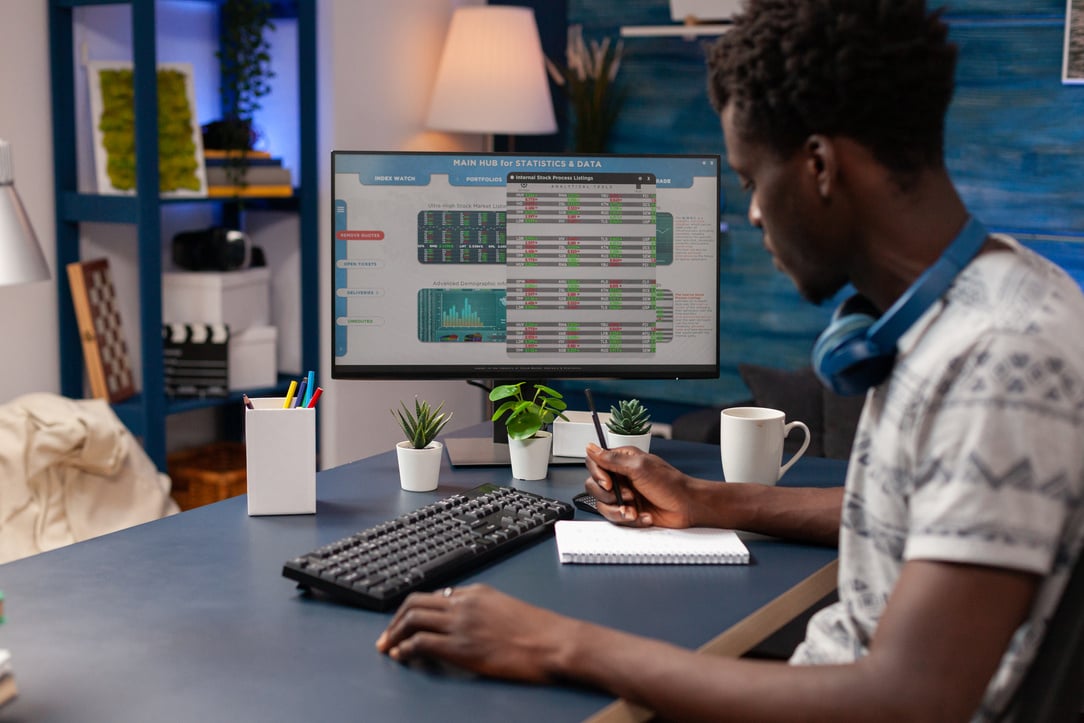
(845, 359)
(834, 350)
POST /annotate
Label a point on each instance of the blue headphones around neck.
(857, 350)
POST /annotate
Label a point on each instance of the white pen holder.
(280, 447)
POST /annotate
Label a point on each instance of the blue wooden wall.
(1014, 146)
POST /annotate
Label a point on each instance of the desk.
(188, 618)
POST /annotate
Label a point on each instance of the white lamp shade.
(21, 260)
(492, 76)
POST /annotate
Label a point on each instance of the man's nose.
(754, 213)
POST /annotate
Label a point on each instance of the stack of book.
(258, 174)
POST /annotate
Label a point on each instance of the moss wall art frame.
(180, 146)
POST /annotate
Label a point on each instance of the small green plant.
(629, 417)
(422, 425)
(527, 416)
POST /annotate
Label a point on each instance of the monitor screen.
(524, 266)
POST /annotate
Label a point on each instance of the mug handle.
(794, 458)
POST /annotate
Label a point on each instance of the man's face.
(787, 208)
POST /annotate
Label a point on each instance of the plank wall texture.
(1014, 146)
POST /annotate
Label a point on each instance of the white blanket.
(69, 471)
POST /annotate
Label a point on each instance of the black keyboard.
(421, 550)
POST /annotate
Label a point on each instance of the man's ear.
(822, 164)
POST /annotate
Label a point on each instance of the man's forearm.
(913, 670)
(809, 514)
(682, 685)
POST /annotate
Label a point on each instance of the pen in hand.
(618, 480)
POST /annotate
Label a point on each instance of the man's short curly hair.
(877, 71)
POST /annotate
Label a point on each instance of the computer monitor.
(524, 267)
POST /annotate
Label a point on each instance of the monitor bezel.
(528, 371)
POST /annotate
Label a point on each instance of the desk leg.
(742, 637)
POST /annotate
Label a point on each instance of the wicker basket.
(208, 473)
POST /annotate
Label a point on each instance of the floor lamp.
(21, 260)
(492, 76)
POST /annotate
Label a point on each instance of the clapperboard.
(196, 359)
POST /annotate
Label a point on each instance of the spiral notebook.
(599, 542)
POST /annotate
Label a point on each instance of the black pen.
(618, 480)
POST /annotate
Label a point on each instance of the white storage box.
(252, 360)
(571, 437)
(239, 299)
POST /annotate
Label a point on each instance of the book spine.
(220, 153)
(250, 161)
(278, 191)
(254, 176)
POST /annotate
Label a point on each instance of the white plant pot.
(419, 469)
(640, 441)
(531, 457)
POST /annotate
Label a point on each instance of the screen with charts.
(513, 266)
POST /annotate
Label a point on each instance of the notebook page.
(601, 542)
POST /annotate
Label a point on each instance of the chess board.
(105, 349)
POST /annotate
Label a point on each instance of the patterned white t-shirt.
(972, 451)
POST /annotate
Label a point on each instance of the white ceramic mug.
(751, 444)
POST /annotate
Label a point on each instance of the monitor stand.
(488, 452)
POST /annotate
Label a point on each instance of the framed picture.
(181, 169)
(1072, 68)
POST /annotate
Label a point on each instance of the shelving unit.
(145, 415)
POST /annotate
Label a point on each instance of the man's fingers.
(421, 645)
(419, 612)
(595, 489)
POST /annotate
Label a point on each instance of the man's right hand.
(663, 493)
(667, 497)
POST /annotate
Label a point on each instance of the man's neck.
(905, 233)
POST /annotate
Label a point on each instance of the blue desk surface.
(188, 618)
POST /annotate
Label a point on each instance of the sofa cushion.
(840, 423)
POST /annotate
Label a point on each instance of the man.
(962, 508)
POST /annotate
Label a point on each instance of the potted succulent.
(419, 454)
(629, 425)
(524, 418)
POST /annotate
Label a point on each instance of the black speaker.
(213, 249)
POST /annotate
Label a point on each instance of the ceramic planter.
(531, 457)
(419, 469)
(640, 441)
